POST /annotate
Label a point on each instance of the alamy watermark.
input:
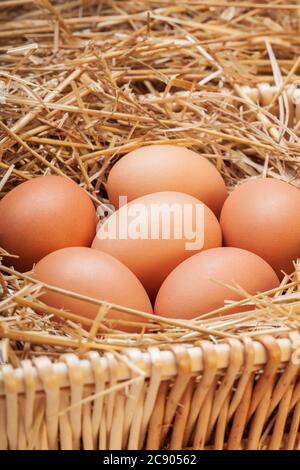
(165, 221)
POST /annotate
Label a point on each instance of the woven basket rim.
(165, 360)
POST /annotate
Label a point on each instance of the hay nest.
(83, 82)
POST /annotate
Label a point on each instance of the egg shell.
(42, 215)
(263, 215)
(94, 274)
(157, 168)
(152, 259)
(197, 287)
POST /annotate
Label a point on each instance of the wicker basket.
(234, 395)
(239, 393)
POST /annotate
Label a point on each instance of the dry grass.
(83, 82)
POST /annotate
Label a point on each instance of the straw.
(80, 86)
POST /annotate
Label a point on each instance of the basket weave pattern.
(236, 395)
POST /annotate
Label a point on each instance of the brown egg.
(43, 215)
(157, 168)
(263, 216)
(94, 274)
(195, 286)
(154, 233)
